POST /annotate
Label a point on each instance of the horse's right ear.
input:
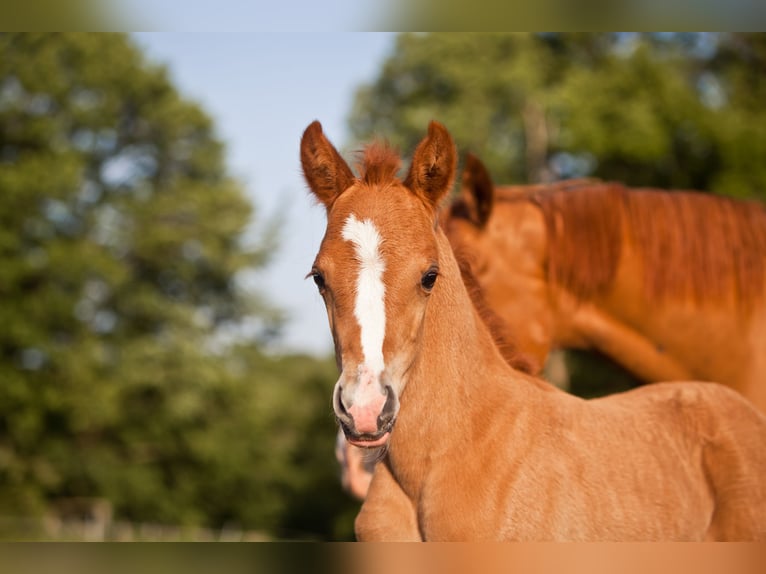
(433, 165)
(325, 171)
(477, 191)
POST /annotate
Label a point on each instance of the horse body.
(474, 449)
(701, 316)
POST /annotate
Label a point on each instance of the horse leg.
(387, 513)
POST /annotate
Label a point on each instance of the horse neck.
(679, 248)
(654, 296)
(454, 333)
(457, 370)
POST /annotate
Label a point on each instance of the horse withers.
(474, 449)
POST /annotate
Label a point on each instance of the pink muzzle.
(366, 410)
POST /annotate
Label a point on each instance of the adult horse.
(475, 449)
(668, 284)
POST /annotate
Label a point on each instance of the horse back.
(730, 434)
(670, 461)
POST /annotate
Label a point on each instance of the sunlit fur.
(481, 451)
(669, 284)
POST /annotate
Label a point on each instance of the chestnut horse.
(474, 449)
(668, 284)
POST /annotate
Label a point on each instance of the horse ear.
(433, 165)
(325, 171)
(477, 192)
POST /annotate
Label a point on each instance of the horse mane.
(504, 341)
(691, 244)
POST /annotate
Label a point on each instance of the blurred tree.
(733, 84)
(121, 242)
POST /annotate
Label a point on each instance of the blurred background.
(165, 370)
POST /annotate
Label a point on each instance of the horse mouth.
(364, 442)
(367, 440)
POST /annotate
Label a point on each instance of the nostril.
(340, 408)
(388, 412)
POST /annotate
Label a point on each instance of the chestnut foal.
(474, 449)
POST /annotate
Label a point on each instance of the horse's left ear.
(433, 165)
(326, 172)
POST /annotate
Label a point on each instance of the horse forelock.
(691, 245)
(379, 164)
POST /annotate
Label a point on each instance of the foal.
(475, 450)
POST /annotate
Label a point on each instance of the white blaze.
(369, 308)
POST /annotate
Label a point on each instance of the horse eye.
(318, 279)
(428, 279)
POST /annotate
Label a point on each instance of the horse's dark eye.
(318, 279)
(428, 279)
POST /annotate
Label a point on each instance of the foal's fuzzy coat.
(479, 451)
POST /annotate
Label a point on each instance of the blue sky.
(262, 90)
(253, 15)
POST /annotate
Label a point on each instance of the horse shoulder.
(481, 493)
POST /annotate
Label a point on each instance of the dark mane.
(692, 245)
(378, 164)
(497, 327)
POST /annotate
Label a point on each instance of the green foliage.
(666, 110)
(121, 242)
